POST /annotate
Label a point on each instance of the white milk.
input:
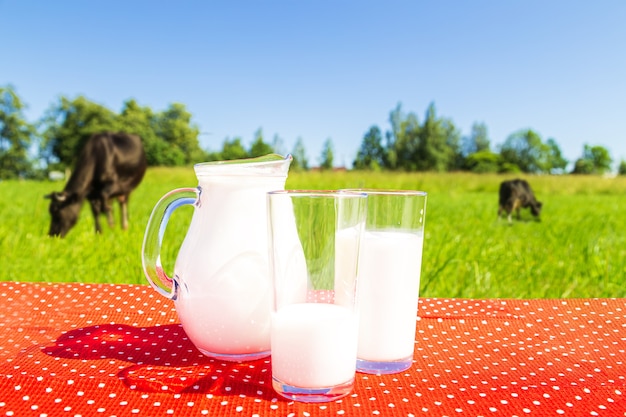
(229, 313)
(346, 252)
(313, 345)
(225, 296)
(389, 277)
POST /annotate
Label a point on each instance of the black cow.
(515, 195)
(110, 165)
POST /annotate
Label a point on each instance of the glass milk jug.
(221, 286)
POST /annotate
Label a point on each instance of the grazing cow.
(110, 165)
(515, 195)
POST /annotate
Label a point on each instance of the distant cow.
(110, 165)
(515, 195)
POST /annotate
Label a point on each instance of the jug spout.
(271, 165)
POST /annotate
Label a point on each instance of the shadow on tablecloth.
(159, 359)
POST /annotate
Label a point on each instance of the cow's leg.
(105, 195)
(123, 200)
(96, 210)
(516, 207)
(109, 212)
(106, 207)
(507, 207)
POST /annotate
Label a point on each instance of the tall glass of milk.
(314, 239)
(389, 278)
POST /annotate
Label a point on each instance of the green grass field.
(577, 250)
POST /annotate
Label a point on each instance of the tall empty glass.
(389, 279)
(314, 239)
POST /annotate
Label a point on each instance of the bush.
(483, 162)
(509, 168)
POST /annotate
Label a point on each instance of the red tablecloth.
(118, 350)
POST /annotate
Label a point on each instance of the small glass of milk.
(314, 239)
(390, 263)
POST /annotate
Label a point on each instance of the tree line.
(32, 150)
(436, 144)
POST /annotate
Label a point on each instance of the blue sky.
(331, 69)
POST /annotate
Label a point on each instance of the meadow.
(578, 249)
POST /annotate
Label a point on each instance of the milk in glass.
(389, 277)
(313, 345)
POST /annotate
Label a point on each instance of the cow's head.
(535, 209)
(64, 209)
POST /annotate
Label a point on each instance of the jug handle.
(153, 239)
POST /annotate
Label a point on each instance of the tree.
(452, 145)
(142, 121)
(371, 154)
(15, 136)
(601, 158)
(67, 126)
(174, 126)
(259, 147)
(438, 144)
(169, 137)
(621, 170)
(279, 145)
(390, 157)
(136, 120)
(583, 166)
(525, 149)
(477, 141)
(595, 160)
(557, 162)
(326, 157)
(300, 161)
(432, 146)
(402, 140)
(233, 149)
